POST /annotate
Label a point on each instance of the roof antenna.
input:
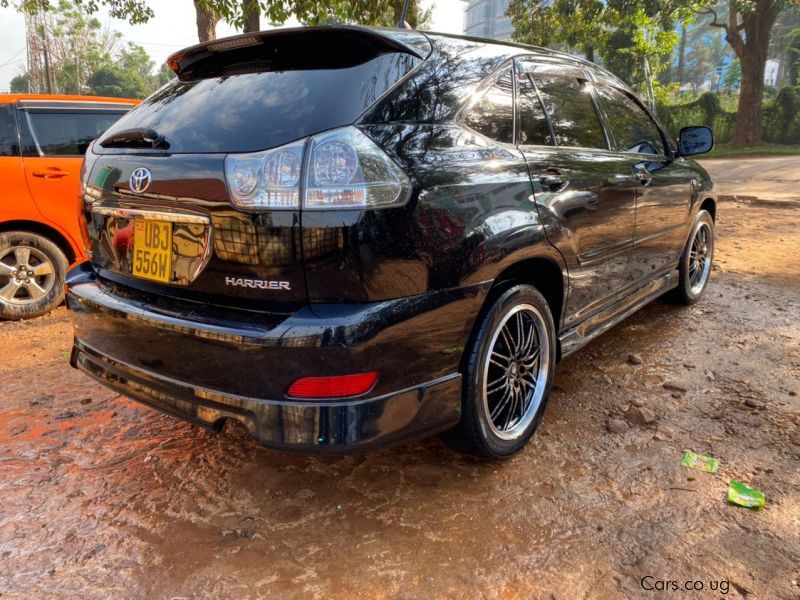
(401, 23)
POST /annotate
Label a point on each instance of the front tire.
(32, 272)
(696, 261)
(508, 374)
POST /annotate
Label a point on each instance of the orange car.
(42, 142)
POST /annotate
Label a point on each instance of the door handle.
(53, 173)
(553, 180)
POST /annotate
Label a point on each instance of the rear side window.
(68, 133)
(9, 145)
(632, 129)
(568, 101)
(261, 109)
(533, 127)
(493, 115)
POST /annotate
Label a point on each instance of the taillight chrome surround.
(338, 169)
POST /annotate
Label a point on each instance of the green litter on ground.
(743, 495)
(699, 462)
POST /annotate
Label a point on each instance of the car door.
(665, 186)
(55, 136)
(585, 193)
(15, 201)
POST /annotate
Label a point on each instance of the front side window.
(568, 101)
(9, 146)
(68, 133)
(631, 128)
(493, 115)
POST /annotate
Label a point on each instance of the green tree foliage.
(87, 58)
(780, 123)
(632, 36)
(134, 11)
(245, 14)
(780, 119)
(134, 59)
(129, 76)
(113, 81)
(705, 50)
(164, 76)
(619, 53)
(578, 24)
(77, 44)
(793, 56)
(733, 75)
(748, 26)
(784, 44)
(19, 84)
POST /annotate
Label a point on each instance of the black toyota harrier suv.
(345, 237)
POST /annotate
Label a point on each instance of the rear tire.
(697, 259)
(32, 272)
(507, 376)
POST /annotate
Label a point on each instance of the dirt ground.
(751, 177)
(101, 497)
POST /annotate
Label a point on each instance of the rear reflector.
(343, 386)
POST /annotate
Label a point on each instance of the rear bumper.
(210, 371)
(340, 427)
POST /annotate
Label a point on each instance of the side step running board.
(580, 335)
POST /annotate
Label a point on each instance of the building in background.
(487, 18)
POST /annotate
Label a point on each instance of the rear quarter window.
(254, 111)
(9, 144)
(493, 115)
(66, 132)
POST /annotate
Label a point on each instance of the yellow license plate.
(152, 250)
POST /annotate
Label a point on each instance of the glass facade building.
(487, 18)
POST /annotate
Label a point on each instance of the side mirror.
(695, 140)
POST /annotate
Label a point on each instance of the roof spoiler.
(296, 48)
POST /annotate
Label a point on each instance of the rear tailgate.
(224, 255)
(242, 95)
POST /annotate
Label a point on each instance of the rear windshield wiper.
(140, 137)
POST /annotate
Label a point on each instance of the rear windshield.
(255, 111)
(69, 133)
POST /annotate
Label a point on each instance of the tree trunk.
(46, 47)
(251, 14)
(207, 20)
(750, 41)
(781, 63)
(682, 54)
(411, 17)
(748, 114)
(589, 52)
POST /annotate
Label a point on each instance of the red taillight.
(342, 386)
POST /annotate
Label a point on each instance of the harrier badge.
(261, 284)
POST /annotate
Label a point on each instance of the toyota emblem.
(140, 180)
